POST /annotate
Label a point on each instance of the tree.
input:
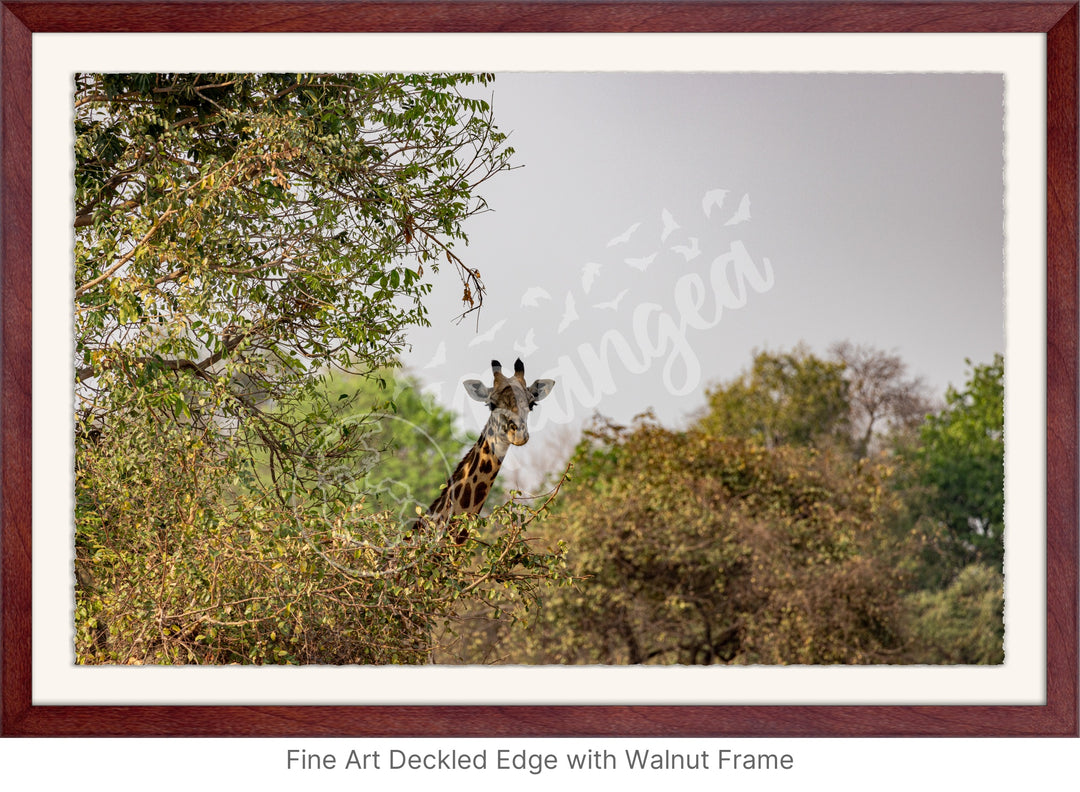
(884, 400)
(858, 397)
(695, 549)
(180, 561)
(238, 234)
(961, 465)
(785, 398)
(238, 238)
(964, 622)
(411, 442)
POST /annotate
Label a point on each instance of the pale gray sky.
(875, 215)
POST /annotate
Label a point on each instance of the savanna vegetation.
(818, 510)
(250, 253)
(240, 240)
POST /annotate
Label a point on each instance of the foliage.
(411, 442)
(237, 238)
(785, 398)
(760, 536)
(180, 560)
(237, 234)
(961, 466)
(487, 629)
(964, 622)
(858, 398)
(694, 548)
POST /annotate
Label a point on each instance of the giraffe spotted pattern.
(510, 401)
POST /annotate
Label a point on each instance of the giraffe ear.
(541, 388)
(477, 390)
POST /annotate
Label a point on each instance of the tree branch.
(179, 364)
(79, 292)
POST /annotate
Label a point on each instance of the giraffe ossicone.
(510, 400)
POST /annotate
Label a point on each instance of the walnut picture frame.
(20, 716)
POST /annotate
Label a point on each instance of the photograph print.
(539, 369)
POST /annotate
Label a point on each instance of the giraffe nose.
(518, 433)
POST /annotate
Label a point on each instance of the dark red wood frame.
(19, 20)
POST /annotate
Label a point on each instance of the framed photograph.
(753, 264)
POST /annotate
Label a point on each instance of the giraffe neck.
(470, 483)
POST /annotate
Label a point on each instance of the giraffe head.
(510, 401)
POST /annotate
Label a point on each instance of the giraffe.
(510, 401)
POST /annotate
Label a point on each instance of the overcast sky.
(663, 227)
